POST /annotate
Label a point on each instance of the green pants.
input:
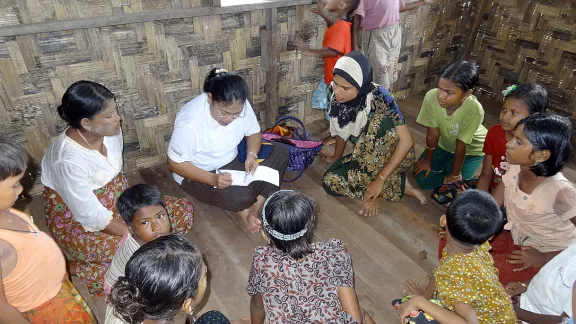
(442, 166)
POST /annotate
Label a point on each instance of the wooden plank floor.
(398, 244)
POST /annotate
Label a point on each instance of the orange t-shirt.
(339, 38)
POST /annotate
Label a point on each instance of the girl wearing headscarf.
(366, 114)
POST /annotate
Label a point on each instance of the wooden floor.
(398, 244)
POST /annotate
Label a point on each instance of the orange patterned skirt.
(93, 251)
(67, 307)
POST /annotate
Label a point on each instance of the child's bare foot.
(414, 193)
(414, 288)
(370, 208)
(329, 141)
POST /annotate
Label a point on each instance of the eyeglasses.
(225, 114)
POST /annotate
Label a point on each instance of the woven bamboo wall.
(153, 68)
(35, 11)
(529, 41)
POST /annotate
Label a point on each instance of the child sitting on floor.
(286, 283)
(164, 280)
(455, 134)
(547, 298)
(337, 42)
(540, 202)
(520, 100)
(465, 283)
(34, 285)
(142, 209)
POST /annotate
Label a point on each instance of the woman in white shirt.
(82, 178)
(207, 132)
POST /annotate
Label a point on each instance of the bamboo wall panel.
(35, 11)
(530, 41)
(154, 68)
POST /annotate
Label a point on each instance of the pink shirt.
(379, 13)
(541, 219)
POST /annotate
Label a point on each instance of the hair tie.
(274, 233)
(220, 70)
(509, 90)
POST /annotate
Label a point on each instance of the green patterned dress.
(350, 175)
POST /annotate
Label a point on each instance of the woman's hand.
(374, 190)
(408, 307)
(423, 165)
(515, 288)
(222, 180)
(451, 178)
(251, 164)
(528, 257)
(326, 156)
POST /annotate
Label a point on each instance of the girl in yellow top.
(455, 135)
(34, 287)
(465, 283)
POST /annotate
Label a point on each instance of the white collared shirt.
(74, 172)
(199, 139)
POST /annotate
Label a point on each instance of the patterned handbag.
(302, 150)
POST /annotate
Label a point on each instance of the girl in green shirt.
(455, 135)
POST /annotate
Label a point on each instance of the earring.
(190, 309)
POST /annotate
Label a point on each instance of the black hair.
(463, 74)
(83, 99)
(137, 197)
(552, 133)
(473, 217)
(13, 159)
(352, 5)
(160, 276)
(225, 87)
(532, 94)
(289, 212)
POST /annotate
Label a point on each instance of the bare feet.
(370, 208)
(414, 288)
(415, 193)
(251, 215)
(329, 141)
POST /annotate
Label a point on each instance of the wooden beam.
(139, 17)
(270, 61)
(482, 9)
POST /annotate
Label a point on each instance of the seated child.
(337, 42)
(164, 280)
(540, 202)
(465, 283)
(285, 273)
(455, 134)
(142, 209)
(520, 100)
(547, 298)
(34, 285)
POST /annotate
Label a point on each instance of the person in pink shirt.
(382, 35)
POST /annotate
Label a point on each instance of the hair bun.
(62, 114)
(127, 301)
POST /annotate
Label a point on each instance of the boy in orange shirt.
(337, 39)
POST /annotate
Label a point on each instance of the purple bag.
(302, 150)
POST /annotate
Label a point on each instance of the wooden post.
(270, 60)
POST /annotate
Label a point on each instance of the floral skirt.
(93, 251)
(417, 317)
(67, 307)
(351, 175)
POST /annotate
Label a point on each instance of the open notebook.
(263, 173)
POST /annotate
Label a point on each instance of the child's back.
(303, 289)
(471, 278)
